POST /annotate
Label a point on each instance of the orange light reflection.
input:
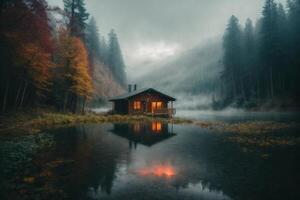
(156, 126)
(158, 170)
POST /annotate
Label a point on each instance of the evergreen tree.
(250, 60)
(93, 43)
(104, 50)
(93, 37)
(268, 67)
(77, 17)
(269, 50)
(232, 60)
(293, 46)
(115, 58)
(282, 58)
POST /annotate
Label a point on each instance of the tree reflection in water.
(95, 161)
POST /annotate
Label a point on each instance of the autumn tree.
(36, 65)
(25, 54)
(82, 82)
(73, 59)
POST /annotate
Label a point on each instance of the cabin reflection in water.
(146, 134)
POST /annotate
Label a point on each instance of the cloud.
(185, 23)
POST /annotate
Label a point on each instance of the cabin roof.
(140, 91)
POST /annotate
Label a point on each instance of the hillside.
(105, 85)
(195, 71)
(193, 75)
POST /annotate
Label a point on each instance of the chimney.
(135, 87)
(129, 88)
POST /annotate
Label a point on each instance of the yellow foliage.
(74, 58)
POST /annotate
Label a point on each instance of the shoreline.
(247, 133)
(35, 122)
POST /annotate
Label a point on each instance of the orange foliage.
(82, 81)
(37, 64)
(74, 58)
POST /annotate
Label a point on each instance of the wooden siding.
(125, 105)
(146, 99)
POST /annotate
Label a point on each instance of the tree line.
(47, 55)
(262, 61)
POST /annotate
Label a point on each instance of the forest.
(57, 57)
(53, 57)
(262, 61)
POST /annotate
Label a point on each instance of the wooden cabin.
(147, 101)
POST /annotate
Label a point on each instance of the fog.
(151, 31)
(173, 45)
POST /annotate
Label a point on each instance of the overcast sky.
(151, 30)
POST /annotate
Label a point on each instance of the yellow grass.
(33, 122)
(247, 133)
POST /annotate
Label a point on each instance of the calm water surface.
(147, 161)
(238, 115)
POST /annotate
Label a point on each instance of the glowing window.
(156, 126)
(156, 105)
(136, 105)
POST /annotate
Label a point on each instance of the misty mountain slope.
(105, 85)
(195, 71)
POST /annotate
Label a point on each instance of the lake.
(143, 161)
(232, 115)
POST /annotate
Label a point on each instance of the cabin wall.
(121, 107)
(146, 100)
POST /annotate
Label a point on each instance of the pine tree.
(93, 43)
(250, 61)
(115, 58)
(77, 17)
(293, 46)
(104, 50)
(282, 58)
(269, 45)
(232, 60)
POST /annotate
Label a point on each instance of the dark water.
(144, 161)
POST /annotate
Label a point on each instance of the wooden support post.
(171, 109)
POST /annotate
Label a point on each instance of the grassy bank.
(257, 133)
(262, 133)
(35, 121)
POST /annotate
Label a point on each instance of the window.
(156, 126)
(136, 105)
(156, 105)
